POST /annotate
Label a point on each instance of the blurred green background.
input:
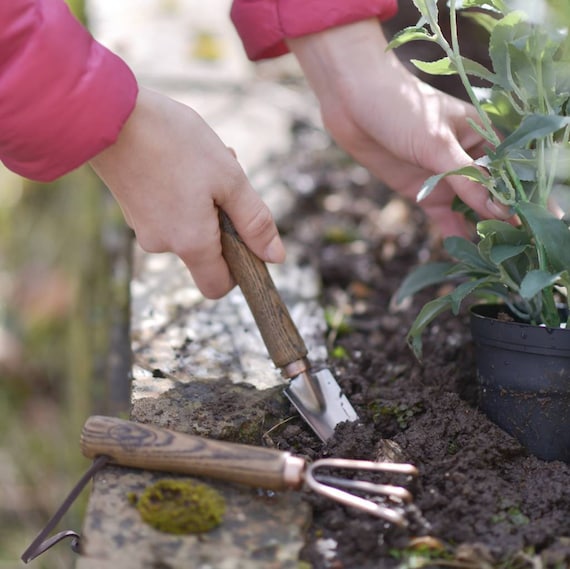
(64, 348)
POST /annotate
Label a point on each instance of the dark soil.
(481, 501)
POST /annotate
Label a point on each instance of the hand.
(170, 173)
(401, 129)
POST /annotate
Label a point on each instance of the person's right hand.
(400, 128)
(170, 173)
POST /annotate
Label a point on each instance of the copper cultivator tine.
(329, 486)
(114, 441)
(143, 446)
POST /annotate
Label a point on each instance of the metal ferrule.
(295, 368)
(294, 471)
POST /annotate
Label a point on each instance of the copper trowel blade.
(321, 418)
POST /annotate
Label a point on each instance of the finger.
(212, 277)
(555, 208)
(449, 223)
(471, 193)
(205, 261)
(407, 179)
(254, 223)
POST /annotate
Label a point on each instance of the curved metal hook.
(42, 543)
(50, 542)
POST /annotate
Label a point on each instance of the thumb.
(254, 223)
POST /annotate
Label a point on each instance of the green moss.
(511, 514)
(337, 235)
(250, 432)
(339, 353)
(180, 506)
(401, 413)
(337, 321)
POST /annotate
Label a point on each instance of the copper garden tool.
(315, 394)
(143, 446)
(108, 440)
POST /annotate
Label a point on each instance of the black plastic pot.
(523, 373)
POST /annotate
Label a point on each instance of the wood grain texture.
(143, 446)
(272, 317)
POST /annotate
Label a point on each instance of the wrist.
(338, 58)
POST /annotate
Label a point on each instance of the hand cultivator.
(114, 441)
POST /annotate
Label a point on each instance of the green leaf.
(442, 66)
(497, 5)
(501, 112)
(427, 314)
(562, 76)
(506, 247)
(549, 232)
(495, 292)
(525, 57)
(558, 162)
(422, 277)
(445, 66)
(468, 253)
(536, 281)
(470, 172)
(504, 232)
(476, 69)
(463, 291)
(411, 33)
(531, 128)
(427, 8)
(486, 21)
(500, 253)
(524, 163)
(504, 33)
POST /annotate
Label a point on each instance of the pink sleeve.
(63, 96)
(263, 25)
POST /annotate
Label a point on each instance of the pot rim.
(517, 336)
(484, 310)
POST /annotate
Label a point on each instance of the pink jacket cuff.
(63, 97)
(263, 25)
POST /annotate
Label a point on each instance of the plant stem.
(553, 158)
(515, 180)
(540, 148)
(454, 55)
(541, 172)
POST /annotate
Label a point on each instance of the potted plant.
(521, 271)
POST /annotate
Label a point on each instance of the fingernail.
(498, 210)
(275, 252)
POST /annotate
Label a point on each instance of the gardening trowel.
(315, 394)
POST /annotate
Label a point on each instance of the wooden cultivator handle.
(278, 331)
(143, 446)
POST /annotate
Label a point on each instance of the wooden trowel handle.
(143, 446)
(278, 331)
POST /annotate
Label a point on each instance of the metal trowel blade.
(323, 418)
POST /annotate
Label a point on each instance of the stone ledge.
(201, 367)
(259, 531)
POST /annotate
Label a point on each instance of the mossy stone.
(181, 506)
